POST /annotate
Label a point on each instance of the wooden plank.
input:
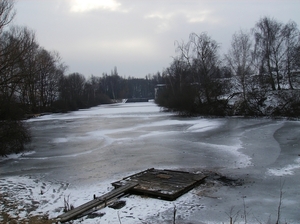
(137, 174)
(96, 202)
(177, 171)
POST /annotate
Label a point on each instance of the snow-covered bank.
(25, 197)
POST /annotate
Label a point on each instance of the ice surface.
(78, 154)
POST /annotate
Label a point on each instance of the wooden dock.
(96, 202)
(162, 184)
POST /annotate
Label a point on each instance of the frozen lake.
(81, 153)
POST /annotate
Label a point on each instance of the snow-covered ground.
(76, 155)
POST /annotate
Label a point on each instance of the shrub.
(13, 137)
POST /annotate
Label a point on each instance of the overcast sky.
(137, 36)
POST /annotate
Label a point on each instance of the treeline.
(260, 74)
(33, 80)
(77, 92)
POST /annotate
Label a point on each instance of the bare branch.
(7, 13)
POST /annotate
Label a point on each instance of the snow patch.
(241, 160)
(284, 171)
(16, 156)
(60, 140)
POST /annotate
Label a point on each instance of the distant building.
(158, 88)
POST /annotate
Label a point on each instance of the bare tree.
(240, 61)
(49, 72)
(29, 79)
(16, 43)
(292, 43)
(269, 48)
(7, 13)
(193, 81)
(205, 66)
(13, 44)
(296, 56)
(274, 44)
(72, 89)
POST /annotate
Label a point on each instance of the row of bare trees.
(29, 74)
(262, 64)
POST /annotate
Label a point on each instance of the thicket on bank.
(259, 76)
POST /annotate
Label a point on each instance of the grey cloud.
(138, 36)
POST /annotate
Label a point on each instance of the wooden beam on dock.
(102, 200)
